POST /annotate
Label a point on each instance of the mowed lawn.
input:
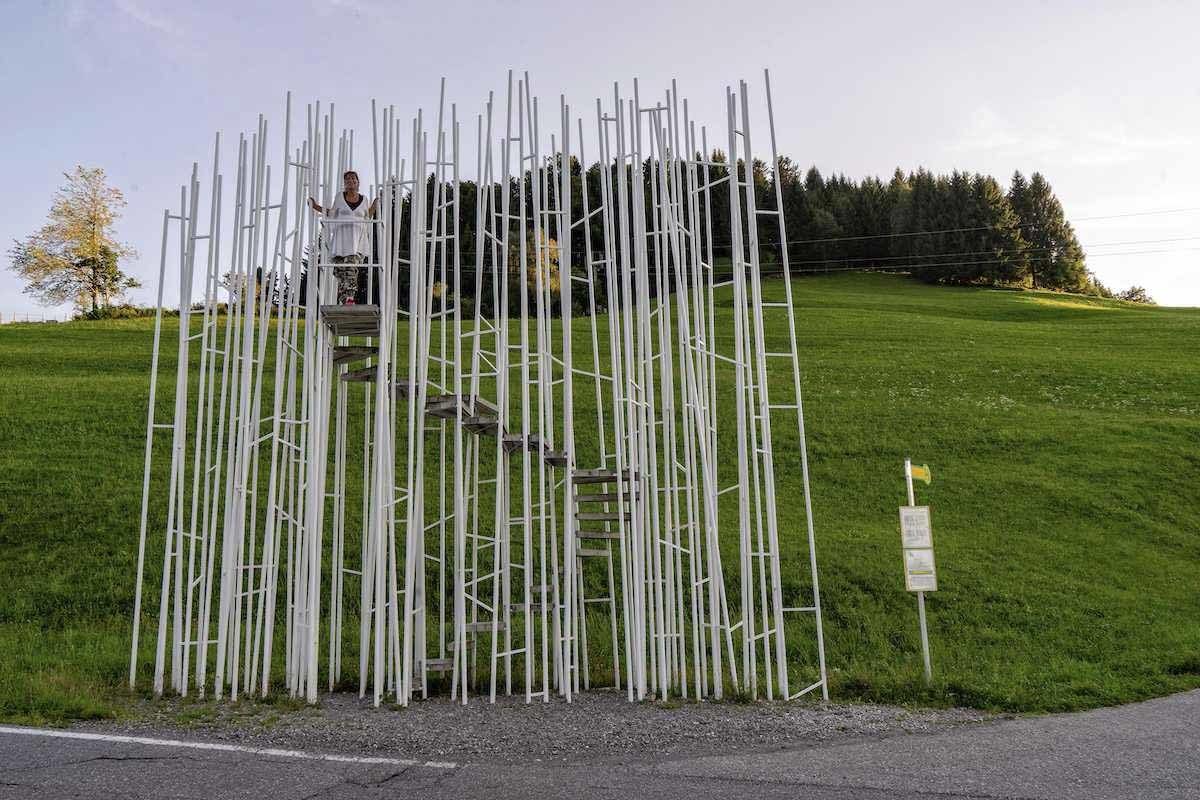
(1063, 434)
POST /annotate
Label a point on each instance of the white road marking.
(229, 748)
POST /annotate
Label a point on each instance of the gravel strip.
(596, 725)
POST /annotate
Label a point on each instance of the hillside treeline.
(959, 228)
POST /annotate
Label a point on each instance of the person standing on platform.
(349, 235)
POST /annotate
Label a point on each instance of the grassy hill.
(1063, 434)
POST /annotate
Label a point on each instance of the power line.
(826, 266)
(1143, 241)
(871, 263)
(1139, 214)
(969, 229)
(1001, 256)
(915, 266)
(997, 253)
(1020, 226)
(1146, 252)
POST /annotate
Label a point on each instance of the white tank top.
(348, 238)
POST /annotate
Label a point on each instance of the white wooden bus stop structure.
(541, 458)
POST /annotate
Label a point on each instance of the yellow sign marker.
(921, 473)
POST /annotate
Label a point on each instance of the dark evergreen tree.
(997, 244)
(898, 246)
(1056, 260)
(872, 212)
(924, 218)
(1018, 199)
(791, 187)
(957, 260)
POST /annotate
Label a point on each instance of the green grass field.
(1063, 434)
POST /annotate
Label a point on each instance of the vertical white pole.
(791, 315)
(743, 413)
(141, 561)
(636, 467)
(526, 466)
(503, 530)
(460, 488)
(208, 527)
(566, 276)
(616, 270)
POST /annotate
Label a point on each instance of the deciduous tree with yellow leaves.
(75, 257)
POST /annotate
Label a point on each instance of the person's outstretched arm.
(316, 206)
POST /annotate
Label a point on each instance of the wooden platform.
(353, 320)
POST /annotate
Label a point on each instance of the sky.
(1102, 98)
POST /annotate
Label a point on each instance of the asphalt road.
(1148, 751)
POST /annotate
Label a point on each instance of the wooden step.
(360, 375)
(482, 425)
(534, 606)
(483, 407)
(439, 664)
(607, 497)
(482, 627)
(446, 406)
(403, 387)
(591, 552)
(602, 516)
(555, 458)
(514, 442)
(598, 534)
(345, 353)
(600, 476)
(351, 320)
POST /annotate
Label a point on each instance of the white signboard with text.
(916, 537)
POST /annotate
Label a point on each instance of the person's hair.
(348, 173)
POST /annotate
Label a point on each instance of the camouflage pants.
(347, 277)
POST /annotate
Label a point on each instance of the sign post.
(920, 570)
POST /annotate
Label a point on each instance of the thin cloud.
(357, 8)
(149, 19)
(987, 131)
(75, 14)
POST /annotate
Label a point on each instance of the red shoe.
(349, 301)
